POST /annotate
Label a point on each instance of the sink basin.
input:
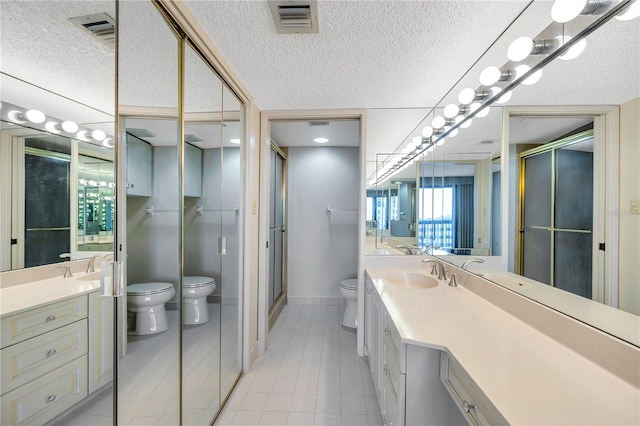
(90, 277)
(411, 279)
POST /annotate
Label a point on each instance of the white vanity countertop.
(22, 297)
(529, 377)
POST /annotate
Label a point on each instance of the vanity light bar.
(524, 74)
(37, 120)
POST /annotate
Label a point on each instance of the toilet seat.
(195, 282)
(350, 284)
(141, 289)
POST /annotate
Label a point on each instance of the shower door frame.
(280, 301)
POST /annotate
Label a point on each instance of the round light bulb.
(16, 117)
(98, 135)
(427, 131)
(438, 122)
(533, 79)
(52, 127)
(466, 124)
(69, 126)
(632, 11)
(441, 141)
(411, 146)
(35, 116)
(483, 112)
(82, 135)
(490, 75)
(451, 110)
(466, 96)
(506, 97)
(566, 10)
(417, 140)
(453, 133)
(519, 49)
(574, 51)
(108, 143)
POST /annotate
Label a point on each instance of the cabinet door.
(100, 341)
(192, 171)
(139, 167)
(376, 360)
(367, 318)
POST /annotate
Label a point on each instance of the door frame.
(263, 255)
(606, 133)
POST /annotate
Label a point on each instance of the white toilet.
(194, 299)
(349, 290)
(146, 302)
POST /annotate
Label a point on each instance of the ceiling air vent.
(486, 142)
(99, 25)
(295, 17)
(318, 123)
(192, 139)
(140, 133)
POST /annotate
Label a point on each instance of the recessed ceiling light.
(321, 140)
(235, 141)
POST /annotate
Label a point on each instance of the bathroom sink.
(94, 276)
(411, 279)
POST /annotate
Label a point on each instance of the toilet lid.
(193, 282)
(351, 284)
(149, 288)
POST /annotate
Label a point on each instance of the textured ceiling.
(368, 54)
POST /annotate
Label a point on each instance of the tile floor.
(149, 376)
(310, 375)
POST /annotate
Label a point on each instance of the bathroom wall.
(629, 246)
(202, 231)
(322, 249)
(152, 240)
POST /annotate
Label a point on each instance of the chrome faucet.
(408, 250)
(438, 268)
(431, 248)
(67, 271)
(474, 260)
(90, 267)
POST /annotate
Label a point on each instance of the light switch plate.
(634, 207)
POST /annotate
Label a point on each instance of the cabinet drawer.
(393, 342)
(44, 398)
(474, 405)
(391, 414)
(30, 359)
(22, 326)
(392, 369)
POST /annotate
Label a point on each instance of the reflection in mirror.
(57, 109)
(558, 232)
(202, 274)
(149, 335)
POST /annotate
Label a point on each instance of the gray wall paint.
(202, 231)
(322, 249)
(152, 240)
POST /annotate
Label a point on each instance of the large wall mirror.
(555, 181)
(56, 151)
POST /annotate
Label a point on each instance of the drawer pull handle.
(467, 407)
(52, 352)
(51, 318)
(51, 398)
(386, 331)
(385, 370)
(386, 423)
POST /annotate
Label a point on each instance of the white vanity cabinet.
(100, 341)
(139, 167)
(406, 377)
(473, 404)
(53, 356)
(44, 361)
